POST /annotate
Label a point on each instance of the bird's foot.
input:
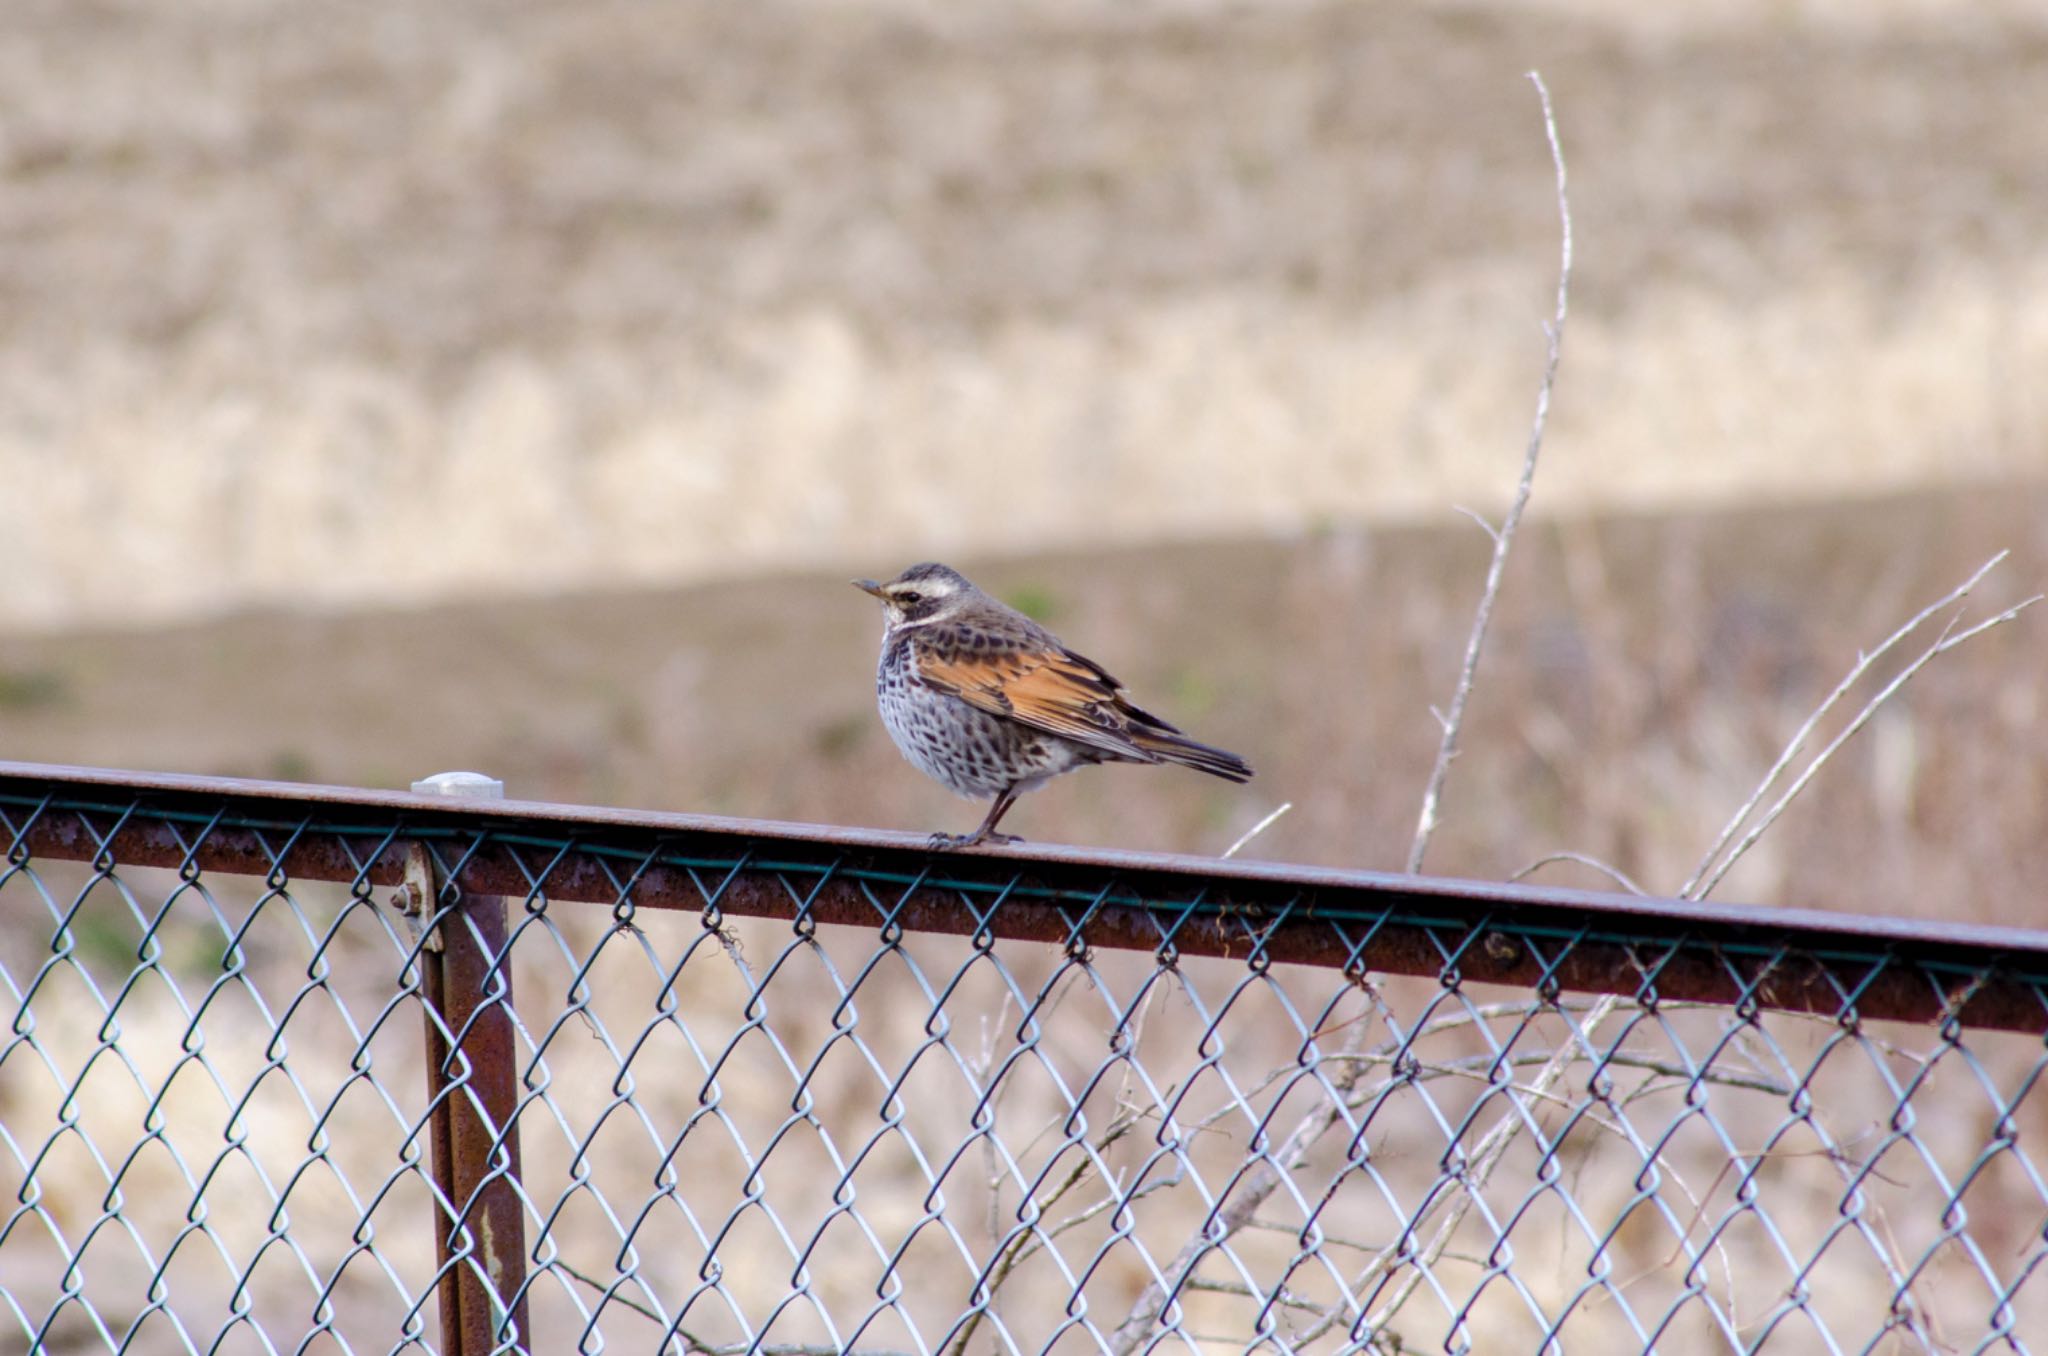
(941, 841)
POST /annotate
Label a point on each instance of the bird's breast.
(895, 668)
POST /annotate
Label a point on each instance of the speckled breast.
(962, 747)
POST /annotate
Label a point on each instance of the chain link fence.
(309, 1071)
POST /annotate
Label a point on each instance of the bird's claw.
(940, 841)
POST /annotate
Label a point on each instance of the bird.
(988, 703)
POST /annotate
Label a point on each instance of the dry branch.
(1503, 536)
(1709, 873)
(1260, 1184)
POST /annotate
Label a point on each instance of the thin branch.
(979, 1071)
(1519, 1007)
(1029, 1244)
(1504, 535)
(1698, 1202)
(1492, 532)
(1018, 1250)
(1485, 1157)
(1252, 1191)
(1946, 641)
(1475, 1067)
(1491, 1150)
(1243, 1291)
(1029, 1241)
(613, 1297)
(1255, 830)
(1614, 874)
(1494, 1147)
(698, 1346)
(1710, 872)
(1693, 887)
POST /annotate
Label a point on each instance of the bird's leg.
(987, 832)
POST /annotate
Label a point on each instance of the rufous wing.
(1053, 690)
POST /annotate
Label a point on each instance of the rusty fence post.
(473, 1089)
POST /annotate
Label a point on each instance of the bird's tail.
(1171, 746)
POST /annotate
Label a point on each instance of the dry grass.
(493, 297)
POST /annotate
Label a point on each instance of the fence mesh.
(823, 1133)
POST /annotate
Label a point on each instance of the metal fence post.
(474, 1088)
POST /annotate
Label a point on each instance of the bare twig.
(1251, 1192)
(1721, 858)
(1028, 1242)
(1485, 1157)
(1614, 874)
(1243, 1291)
(1805, 731)
(698, 1346)
(979, 1069)
(1488, 1156)
(1258, 1185)
(1504, 535)
(1255, 830)
(1719, 1239)
(1494, 1145)
(1027, 1245)
(1709, 874)
(613, 1297)
(1129, 1115)
(1476, 1067)
(1520, 1007)
(1492, 532)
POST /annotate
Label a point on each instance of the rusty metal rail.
(1525, 935)
(1699, 981)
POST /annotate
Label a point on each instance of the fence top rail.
(1226, 891)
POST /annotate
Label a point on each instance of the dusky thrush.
(988, 703)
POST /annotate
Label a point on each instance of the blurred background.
(514, 385)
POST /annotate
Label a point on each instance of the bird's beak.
(870, 586)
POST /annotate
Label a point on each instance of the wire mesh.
(962, 1123)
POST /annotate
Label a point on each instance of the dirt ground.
(303, 305)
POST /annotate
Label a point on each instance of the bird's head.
(928, 592)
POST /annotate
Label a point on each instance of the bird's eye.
(910, 598)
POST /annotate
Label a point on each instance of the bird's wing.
(1047, 687)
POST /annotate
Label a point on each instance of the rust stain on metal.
(473, 1089)
(415, 898)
